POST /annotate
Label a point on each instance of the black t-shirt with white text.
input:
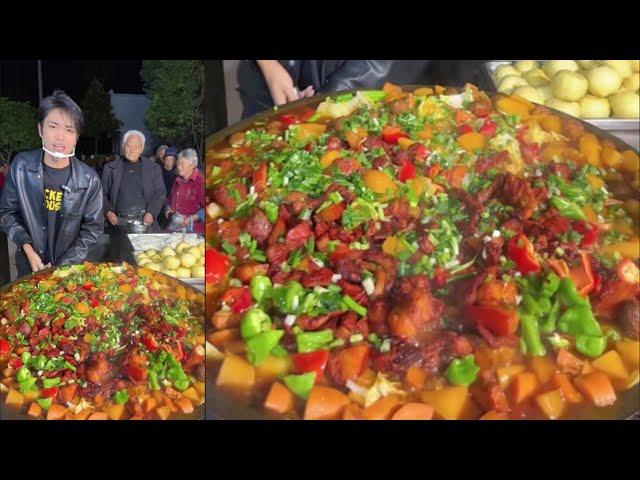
(54, 179)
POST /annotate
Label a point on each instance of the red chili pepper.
(216, 265)
(49, 392)
(440, 276)
(244, 302)
(393, 134)
(5, 347)
(16, 363)
(589, 232)
(149, 341)
(628, 271)
(498, 321)
(489, 128)
(407, 172)
(310, 362)
(520, 250)
(288, 119)
(95, 302)
(465, 129)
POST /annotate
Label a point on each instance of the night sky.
(19, 78)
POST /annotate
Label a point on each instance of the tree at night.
(18, 128)
(98, 113)
(175, 88)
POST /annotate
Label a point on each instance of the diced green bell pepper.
(462, 371)
(301, 385)
(260, 346)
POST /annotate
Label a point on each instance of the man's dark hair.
(61, 100)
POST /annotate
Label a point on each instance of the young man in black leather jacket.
(51, 206)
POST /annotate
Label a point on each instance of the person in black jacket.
(133, 186)
(51, 206)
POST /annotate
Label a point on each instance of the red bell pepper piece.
(216, 265)
(288, 119)
(307, 114)
(393, 134)
(88, 286)
(95, 302)
(310, 362)
(16, 363)
(498, 321)
(243, 302)
(150, 342)
(465, 129)
(520, 250)
(589, 232)
(49, 392)
(5, 347)
(628, 272)
(489, 128)
(407, 172)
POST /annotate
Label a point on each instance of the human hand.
(279, 82)
(307, 92)
(187, 220)
(112, 218)
(34, 259)
(148, 218)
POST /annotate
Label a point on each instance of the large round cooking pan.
(220, 405)
(8, 413)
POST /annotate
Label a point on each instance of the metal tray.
(627, 129)
(222, 406)
(7, 413)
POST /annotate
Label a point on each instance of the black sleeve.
(107, 180)
(358, 75)
(159, 191)
(92, 225)
(10, 218)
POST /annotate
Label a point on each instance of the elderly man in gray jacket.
(132, 185)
